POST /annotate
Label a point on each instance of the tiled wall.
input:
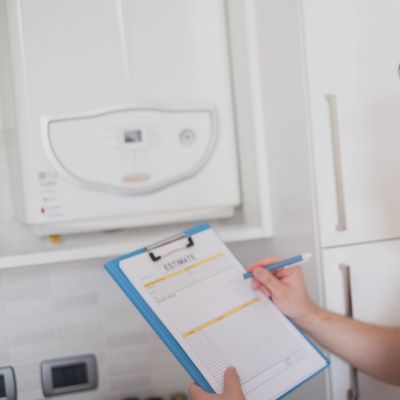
(76, 308)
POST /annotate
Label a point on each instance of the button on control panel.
(187, 137)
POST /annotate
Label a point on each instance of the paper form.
(200, 296)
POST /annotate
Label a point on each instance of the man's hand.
(286, 288)
(233, 390)
(372, 349)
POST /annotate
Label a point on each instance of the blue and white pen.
(298, 260)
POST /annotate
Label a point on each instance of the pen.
(298, 260)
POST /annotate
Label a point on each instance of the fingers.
(265, 291)
(292, 273)
(197, 393)
(283, 275)
(268, 279)
(255, 284)
(233, 389)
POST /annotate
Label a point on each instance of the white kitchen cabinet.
(352, 54)
(374, 286)
(352, 62)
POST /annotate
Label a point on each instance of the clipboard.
(164, 250)
(113, 267)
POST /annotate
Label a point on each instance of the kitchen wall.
(73, 308)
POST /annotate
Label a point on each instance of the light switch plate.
(69, 375)
(8, 386)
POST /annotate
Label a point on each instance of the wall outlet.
(69, 375)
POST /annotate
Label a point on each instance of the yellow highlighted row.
(183, 270)
(221, 317)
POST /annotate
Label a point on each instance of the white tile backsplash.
(5, 356)
(76, 308)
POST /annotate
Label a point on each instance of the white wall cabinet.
(352, 50)
(352, 63)
(374, 286)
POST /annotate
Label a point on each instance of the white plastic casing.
(86, 74)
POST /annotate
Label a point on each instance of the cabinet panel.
(352, 57)
(375, 284)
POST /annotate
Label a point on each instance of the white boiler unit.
(124, 113)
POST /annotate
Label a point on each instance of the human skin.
(370, 348)
(233, 390)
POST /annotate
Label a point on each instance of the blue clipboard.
(113, 268)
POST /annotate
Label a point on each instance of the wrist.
(309, 317)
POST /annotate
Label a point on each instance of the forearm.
(372, 349)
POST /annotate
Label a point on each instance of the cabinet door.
(352, 53)
(375, 294)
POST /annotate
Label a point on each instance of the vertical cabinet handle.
(353, 392)
(347, 289)
(337, 160)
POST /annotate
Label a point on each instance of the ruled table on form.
(252, 345)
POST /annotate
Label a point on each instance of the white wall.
(68, 309)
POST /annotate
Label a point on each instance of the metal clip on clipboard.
(166, 244)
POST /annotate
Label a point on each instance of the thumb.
(269, 280)
(232, 384)
(196, 392)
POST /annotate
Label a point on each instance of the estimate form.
(219, 321)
